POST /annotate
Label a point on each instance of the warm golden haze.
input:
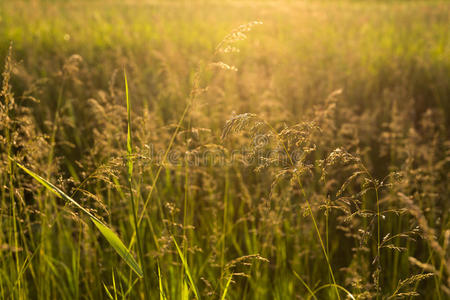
(224, 150)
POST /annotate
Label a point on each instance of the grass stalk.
(130, 188)
(316, 227)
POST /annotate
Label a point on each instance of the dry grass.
(305, 156)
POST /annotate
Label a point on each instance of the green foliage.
(110, 236)
(304, 156)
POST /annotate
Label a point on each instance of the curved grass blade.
(117, 244)
(186, 267)
(305, 284)
(332, 285)
(107, 291)
(129, 147)
(224, 294)
(162, 296)
(110, 236)
(130, 188)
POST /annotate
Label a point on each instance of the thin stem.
(309, 208)
(130, 188)
(378, 241)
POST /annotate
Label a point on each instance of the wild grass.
(251, 150)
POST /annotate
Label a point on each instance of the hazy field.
(267, 150)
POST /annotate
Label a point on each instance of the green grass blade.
(129, 148)
(186, 267)
(130, 179)
(332, 285)
(185, 290)
(52, 188)
(110, 236)
(107, 291)
(305, 284)
(162, 296)
(114, 284)
(25, 265)
(117, 244)
(224, 294)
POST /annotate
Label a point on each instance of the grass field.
(225, 150)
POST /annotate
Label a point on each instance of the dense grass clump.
(179, 150)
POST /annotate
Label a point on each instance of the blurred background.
(373, 75)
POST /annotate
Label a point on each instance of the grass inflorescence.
(302, 157)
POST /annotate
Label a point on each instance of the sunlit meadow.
(224, 149)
